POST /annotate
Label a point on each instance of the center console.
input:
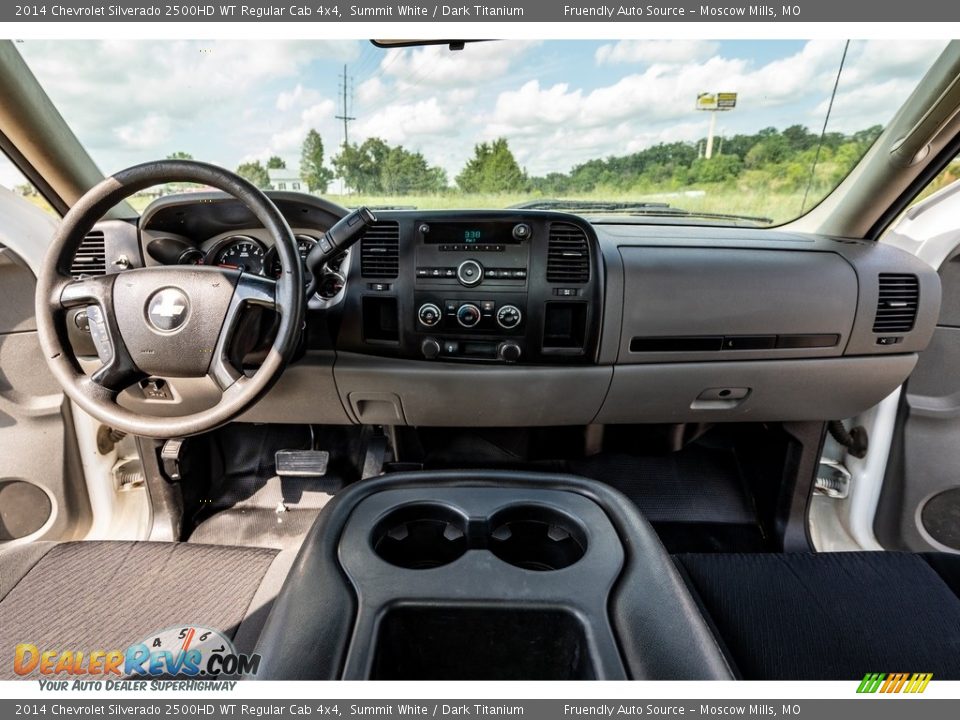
(495, 287)
(484, 575)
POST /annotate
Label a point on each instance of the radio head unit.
(469, 234)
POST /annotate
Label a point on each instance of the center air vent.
(380, 250)
(568, 254)
(91, 257)
(898, 302)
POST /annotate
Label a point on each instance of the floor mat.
(696, 499)
(249, 504)
(277, 514)
(697, 485)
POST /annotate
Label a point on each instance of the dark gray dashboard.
(680, 324)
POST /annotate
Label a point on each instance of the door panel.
(41, 488)
(920, 504)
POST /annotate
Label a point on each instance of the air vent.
(91, 257)
(568, 255)
(897, 306)
(380, 250)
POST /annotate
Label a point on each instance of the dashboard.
(523, 317)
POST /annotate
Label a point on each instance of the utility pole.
(346, 115)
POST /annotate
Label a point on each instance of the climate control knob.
(469, 273)
(509, 351)
(430, 348)
(429, 314)
(468, 315)
(508, 317)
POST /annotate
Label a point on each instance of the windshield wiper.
(649, 209)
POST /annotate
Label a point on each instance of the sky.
(558, 103)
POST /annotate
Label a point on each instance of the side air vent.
(897, 306)
(380, 250)
(568, 255)
(91, 257)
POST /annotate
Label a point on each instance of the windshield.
(756, 132)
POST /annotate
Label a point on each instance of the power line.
(823, 132)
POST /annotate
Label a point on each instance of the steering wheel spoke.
(72, 293)
(250, 290)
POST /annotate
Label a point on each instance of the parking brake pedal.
(301, 463)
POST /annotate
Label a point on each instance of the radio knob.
(430, 348)
(509, 351)
(468, 315)
(521, 232)
(470, 273)
(429, 314)
(508, 317)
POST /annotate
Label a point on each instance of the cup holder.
(421, 536)
(536, 537)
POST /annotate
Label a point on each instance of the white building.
(287, 179)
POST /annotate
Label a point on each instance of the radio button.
(521, 231)
(470, 273)
(468, 315)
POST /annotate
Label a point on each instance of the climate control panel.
(490, 315)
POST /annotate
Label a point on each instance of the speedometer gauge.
(242, 253)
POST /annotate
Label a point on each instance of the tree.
(360, 166)
(376, 167)
(312, 170)
(255, 173)
(492, 169)
(179, 155)
(276, 163)
(406, 172)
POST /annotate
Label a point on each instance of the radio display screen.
(470, 233)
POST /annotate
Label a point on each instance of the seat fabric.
(831, 616)
(85, 596)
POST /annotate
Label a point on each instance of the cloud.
(406, 122)
(298, 97)
(558, 105)
(102, 86)
(147, 133)
(439, 67)
(655, 51)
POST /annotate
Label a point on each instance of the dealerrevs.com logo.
(189, 651)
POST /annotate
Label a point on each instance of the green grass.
(778, 206)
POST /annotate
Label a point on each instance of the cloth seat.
(86, 596)
(831, 616)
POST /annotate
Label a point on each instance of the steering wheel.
(168, 321)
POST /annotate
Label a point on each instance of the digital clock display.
(469, 233)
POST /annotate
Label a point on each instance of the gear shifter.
(342, 235)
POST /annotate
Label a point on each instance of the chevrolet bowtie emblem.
(167, 309)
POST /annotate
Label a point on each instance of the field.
(777, 205)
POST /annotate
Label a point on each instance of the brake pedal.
(301, 463)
